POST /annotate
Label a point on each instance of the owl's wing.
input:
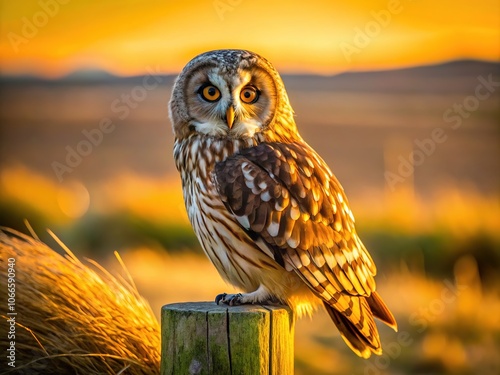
(286, 195)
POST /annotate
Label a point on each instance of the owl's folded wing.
(286, 194)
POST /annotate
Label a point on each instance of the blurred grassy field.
(440, 279)
(435, 237)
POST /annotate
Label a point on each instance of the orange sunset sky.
(52, 38)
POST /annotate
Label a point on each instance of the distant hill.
(454, 76)
(83, 77)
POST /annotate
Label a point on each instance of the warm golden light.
(416, 151)
(56, 37)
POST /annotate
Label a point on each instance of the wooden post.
(204, 338)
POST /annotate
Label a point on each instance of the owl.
(266, 208)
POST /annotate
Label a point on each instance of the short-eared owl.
(266, 208)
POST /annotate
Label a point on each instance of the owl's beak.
(230, 116)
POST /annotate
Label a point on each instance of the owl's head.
(229, 93)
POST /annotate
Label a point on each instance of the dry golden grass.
(74, 317)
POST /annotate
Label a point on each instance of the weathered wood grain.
(204, 338)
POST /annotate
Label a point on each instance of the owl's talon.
(220, 298)
(234, 299)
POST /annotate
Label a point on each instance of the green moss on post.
(204, 338)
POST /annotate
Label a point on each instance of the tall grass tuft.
(73, 318)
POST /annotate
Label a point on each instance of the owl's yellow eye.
(249, 95)
(210, 93)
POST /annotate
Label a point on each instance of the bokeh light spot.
(73, 199)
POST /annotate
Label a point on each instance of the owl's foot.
(259, 297)
(229, 299)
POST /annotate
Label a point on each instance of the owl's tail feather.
(363, 341)
(381, 311)
(357, 341)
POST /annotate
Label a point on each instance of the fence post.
(204, 338)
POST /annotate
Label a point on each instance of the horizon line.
(102, 74)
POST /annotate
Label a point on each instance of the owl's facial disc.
(237, 104)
